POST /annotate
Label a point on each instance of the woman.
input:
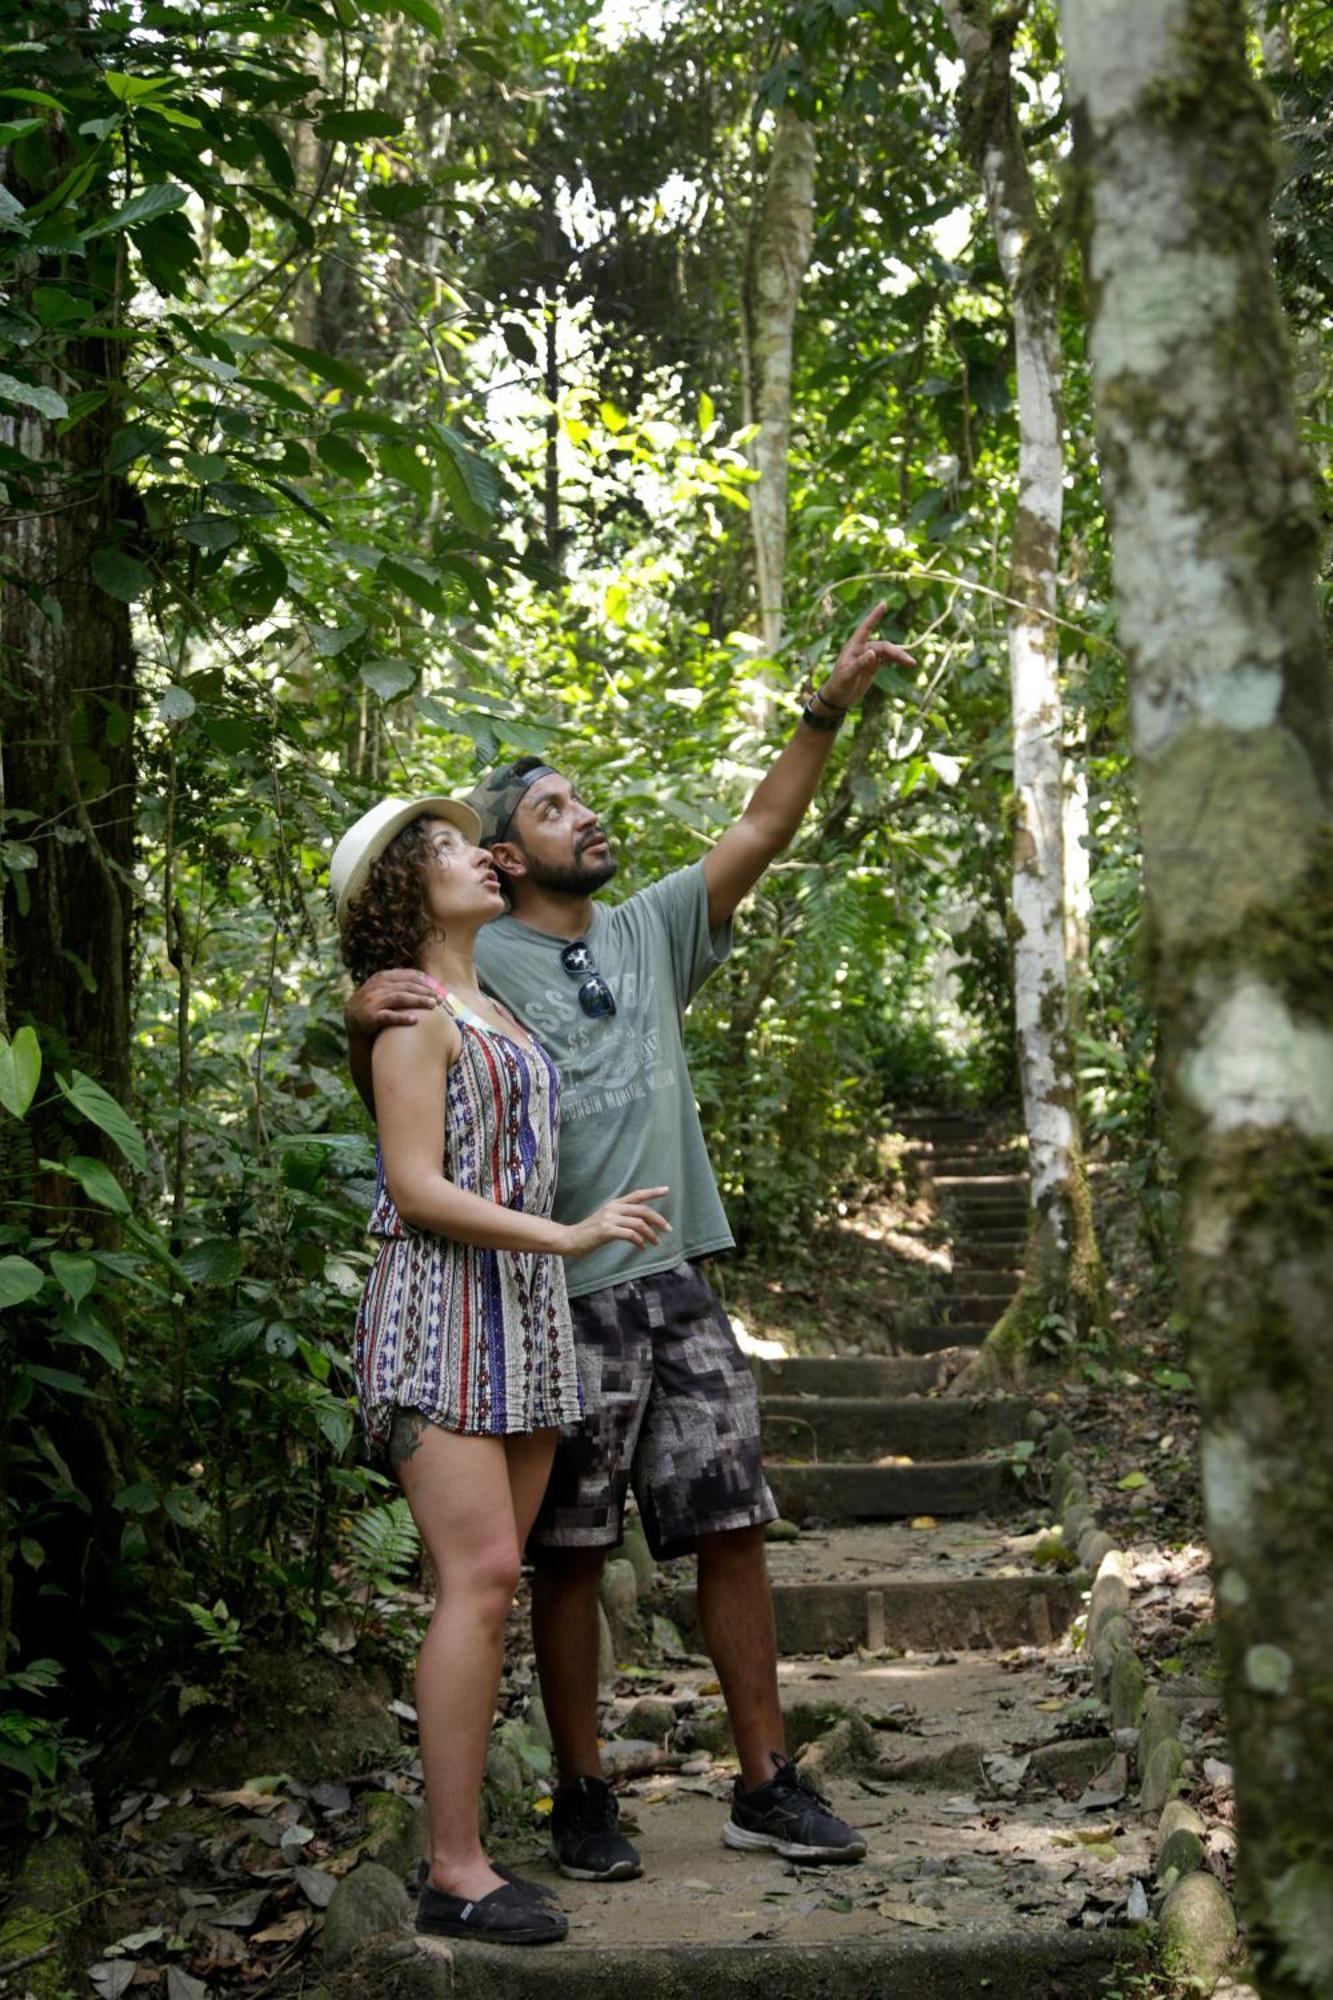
(465, 1356)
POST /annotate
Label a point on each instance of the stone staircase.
(911, 1613)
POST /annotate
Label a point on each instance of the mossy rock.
(367, 1903)
(1094, 1545)
(1161, 1778)
(652, 1718)
(1157, 1724)
(848, 1746)
(49, 1903)
(302, 1713)
(395, 1831)
(1196, 1929)
(1125, 1692)
(710, 1731)
(1060, 1443)
(636, 1552)
(1181, 1854)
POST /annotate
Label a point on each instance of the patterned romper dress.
(478, 1340)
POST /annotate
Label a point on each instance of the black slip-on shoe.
(788, 1816)
(586, 1843)
(537, 1889)
(506, 1916)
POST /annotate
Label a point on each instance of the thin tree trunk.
(1078, 880)
(778, 251)
(1062, 1275)
(1216, 549)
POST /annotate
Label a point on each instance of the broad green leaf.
(85, 1329)
(176, 704)
(101, 1109)
(388, 678)
(20, 1071)
(74, 1274)
(33, 396)
(218, 1261)
(212, 532)
(96, 1179)
(326, 366)
(400, 461)
(160, 199)
(20, 1280)
(133, 89)
(423, 14)
(343, 458)
(119, 575)
(360, 125)
(186, 1506)
(140, 1498)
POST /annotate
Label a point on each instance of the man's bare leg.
(564, 1635)
(740, 1635)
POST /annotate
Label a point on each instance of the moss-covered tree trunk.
(68, 780)
(781, 239)
(1062, 1273)
(1215, 559)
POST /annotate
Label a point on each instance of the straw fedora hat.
(364, 842)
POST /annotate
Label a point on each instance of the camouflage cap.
(497, 798)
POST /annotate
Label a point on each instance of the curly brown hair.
(387, 922)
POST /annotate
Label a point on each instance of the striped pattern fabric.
(478, 1340)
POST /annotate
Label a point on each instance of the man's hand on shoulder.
(390, 1000)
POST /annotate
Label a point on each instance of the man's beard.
(581, 878)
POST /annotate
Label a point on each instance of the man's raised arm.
(783, 795)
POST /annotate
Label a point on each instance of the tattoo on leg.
(405, 1435)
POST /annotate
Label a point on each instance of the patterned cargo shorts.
(670, 1407)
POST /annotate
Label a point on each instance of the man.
(670, 1405)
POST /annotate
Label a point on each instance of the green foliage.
(383, 1546)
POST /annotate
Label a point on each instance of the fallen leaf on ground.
(245, 1799)
(914, 1913)
(923, 1521)
(317, 1886)
(182, 1986)
(112, 1976)
(286, 1930)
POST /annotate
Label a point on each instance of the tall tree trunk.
(1062, 1270)
(66, 723)
(781, 239)
(1216, 548)
(67, 696)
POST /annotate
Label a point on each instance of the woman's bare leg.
(459, 1490)
(530, 1457)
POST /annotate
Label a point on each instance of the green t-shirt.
(627, 1112)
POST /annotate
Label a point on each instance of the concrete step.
(852, 1427)
(966, 1163)
(992, 1255)
(849, 1375)
(980, 1283)
(969, 1306)
(970, 1208)
(892, 1492)
(928, 1614)
(981, 1181)
(1001, 1960)
(929, 1341)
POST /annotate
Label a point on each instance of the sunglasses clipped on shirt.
(595, 996)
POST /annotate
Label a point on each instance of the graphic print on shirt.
(607, 1062)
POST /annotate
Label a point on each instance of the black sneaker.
(585, 1843)
(788, 1815)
